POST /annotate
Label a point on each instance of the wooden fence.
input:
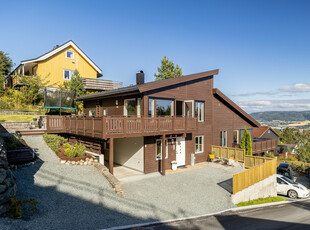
(259, 168)
(253, 175)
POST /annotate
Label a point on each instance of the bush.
(11, 142)
(75, 150)
(270, 155)
(54, 141)
(19, 208)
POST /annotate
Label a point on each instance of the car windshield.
(288, 180)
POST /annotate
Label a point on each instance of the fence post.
(64, 124)
(142, 124)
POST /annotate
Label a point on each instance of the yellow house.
(58, 65)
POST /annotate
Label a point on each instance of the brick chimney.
(140, 77)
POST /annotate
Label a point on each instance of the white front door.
(180, 151)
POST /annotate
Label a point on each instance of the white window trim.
(202, 110)
(193, 107)
(225, 138)
(138, 113)
(166, 142)
(202, 144)
(236, 130)
(69, 75)
(72, 58)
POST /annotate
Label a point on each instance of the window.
(236, 136)
(68, 74)
(164, 107)
(151, 107)
(159, 147)
(223, 138)
(199, 144)
(130, 107)
(69, 54)
(199, 110)
(35, 71)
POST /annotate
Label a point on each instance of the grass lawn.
(16, 117)
(262, 201)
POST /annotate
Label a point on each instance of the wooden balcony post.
(158, 124)
(173, 121)
(93, 127)
(163, 155)
(84, 126)
(142, 124)
(111, 155)
(125, 125)
(76, 125)
(104, 127)
(47, 123)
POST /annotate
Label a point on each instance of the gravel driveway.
(79, 197)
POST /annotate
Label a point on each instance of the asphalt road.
(283, 216)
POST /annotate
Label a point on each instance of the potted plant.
(174, 165)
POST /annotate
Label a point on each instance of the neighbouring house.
(264, 135)
(148, 126)
(58, 66)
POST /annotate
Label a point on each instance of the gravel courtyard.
(79, 197)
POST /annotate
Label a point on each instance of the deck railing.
(101, 127)
(264, 146)
(100, 84)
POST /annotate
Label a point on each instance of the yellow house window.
(68, 74)
(69, 54)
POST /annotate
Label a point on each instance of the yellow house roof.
(60, 48)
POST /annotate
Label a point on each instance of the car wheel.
(292, 194)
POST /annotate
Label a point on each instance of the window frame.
(70, 75)
(161, 154)
(138, 107)
(201, 115)
(238, 139)
(71, 58)
(221, 138)
(201, 137)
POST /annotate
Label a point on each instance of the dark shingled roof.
(112, 92)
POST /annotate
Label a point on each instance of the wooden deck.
(100, 84)
(264, 146)
(118, 127)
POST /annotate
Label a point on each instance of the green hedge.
(76, 150)
(54, 141)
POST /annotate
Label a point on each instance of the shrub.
(75, 150)
(270, 155)
(11, 142)
(19, 208)
(54, 141)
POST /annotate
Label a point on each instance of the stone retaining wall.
(19, 112)
(12, 126)
(7, 181)
(262, 189)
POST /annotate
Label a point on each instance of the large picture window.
(199, 110)
(164, 107)
(223, 136)
(199, 144)
(130, 107)
(159, 147)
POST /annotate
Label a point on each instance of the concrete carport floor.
(187, 193)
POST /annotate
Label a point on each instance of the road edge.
(205, 215)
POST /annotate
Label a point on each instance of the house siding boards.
(54, 66)
(269, 135)
(225, 119)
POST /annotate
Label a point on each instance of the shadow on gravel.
(227, 185)
(60, 210)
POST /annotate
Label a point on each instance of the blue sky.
(262, 48)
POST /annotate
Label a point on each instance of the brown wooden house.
(148, 125)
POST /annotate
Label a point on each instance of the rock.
(6, 196)
(82, 160)
(67, 163)
(85, 163)
(91, 159)
(8, 182)
(2, 174)
(3, 209)
(2, 188)
(96, 161)
(81, 163)
(87, 159)
(73, 162)
(62, 161)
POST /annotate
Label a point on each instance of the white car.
(287, 187)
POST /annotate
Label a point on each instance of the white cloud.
(300, 87)
(275, 105)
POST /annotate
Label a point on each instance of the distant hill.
(282, 115)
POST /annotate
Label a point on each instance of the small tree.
(246, 142)
(76, 84)
(5, 68)
(167, 70)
